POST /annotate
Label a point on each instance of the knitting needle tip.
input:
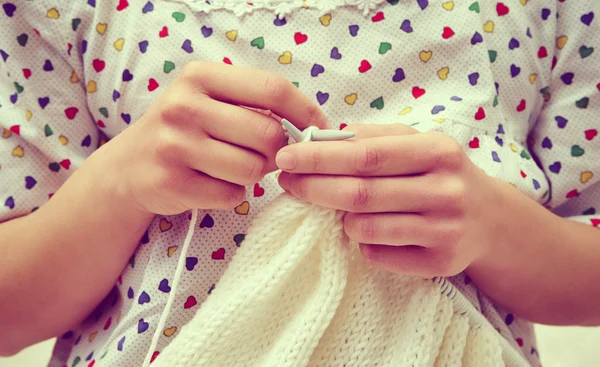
(329, 135)
(294, 132)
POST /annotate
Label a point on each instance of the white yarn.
(171, 299)
(298, 294)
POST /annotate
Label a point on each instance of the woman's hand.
(197, 147)
(414, 201)
(417, 205)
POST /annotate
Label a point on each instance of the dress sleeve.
(47, 131)
(566, 137)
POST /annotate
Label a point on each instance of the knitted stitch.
(298, 293)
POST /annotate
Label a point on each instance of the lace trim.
(281, 8)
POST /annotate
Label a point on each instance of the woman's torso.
(475, 70)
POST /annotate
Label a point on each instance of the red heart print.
(595, 222)
(591, 134)
(98, 65)
(378, 17)
(554, 61)
(190, 302)
(522, 106)
(300, 38)
(27, 73)
(523, 174)
(364, 66)
(120, 279)
(343, 126)
(542, 52)
(519, 341)
(50, 196)
(122, 5)
(258, 191)
(71, 112)
(107, 324)
(219, 254)
(65, 163)
(164, 32)
(573, 193)
(152, 85)
(92, 363)
(154, 355)
(501, 9)
(598, 86)
(227, 61)
(417, 92)
(448, 32)
(16, 129)
(101, 124)
(480, 114)
(474, 143)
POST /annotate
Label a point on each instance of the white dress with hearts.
(512, 81)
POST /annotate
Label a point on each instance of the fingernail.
(285, 161)
(284, 181)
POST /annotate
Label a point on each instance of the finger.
(380, 156)
(198, 190)
(364, 131)
(244, 127)
(410, 260)
(224, 161)
(412, 194)
(256, 88)
(392, 229)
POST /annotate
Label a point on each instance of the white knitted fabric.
(297, 293)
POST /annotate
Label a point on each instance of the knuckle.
(276, 87)
(452, 233)
(272, 136)
(164, 182)
(177, 110)
(441, 264)
(299, 187)
(256, 170)
(447, 152)
(167, 144)
(231, 195)
(367, 159)
(315, 158)
(360, 197)
(192, 69)
(454, 195)
(366, 225)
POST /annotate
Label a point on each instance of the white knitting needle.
(315, 134)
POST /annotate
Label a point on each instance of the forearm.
(542, 267)
(59, 262)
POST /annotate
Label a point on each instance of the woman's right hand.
(198, 145)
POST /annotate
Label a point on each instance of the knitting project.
(299, 293)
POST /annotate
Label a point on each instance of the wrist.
(108, 173)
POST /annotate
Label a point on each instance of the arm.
(543, 267)
(547, 266)
(66, 256)
(57, 263)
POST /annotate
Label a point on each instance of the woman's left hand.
(414, 201)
